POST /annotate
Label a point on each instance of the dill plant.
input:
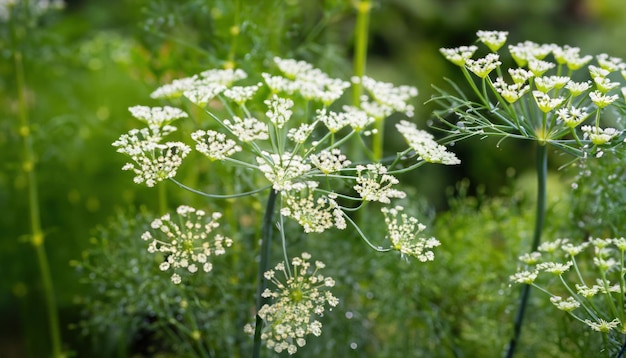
(546, 93)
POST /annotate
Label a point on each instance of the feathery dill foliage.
(283, 128)
(549, 93)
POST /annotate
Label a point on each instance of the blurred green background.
(87, 63)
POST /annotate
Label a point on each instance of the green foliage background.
(88, 63)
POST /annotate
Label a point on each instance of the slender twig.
(542, 173)
(266, 236)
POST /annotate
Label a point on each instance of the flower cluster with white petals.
(590, 294)
(186, 241)
(536, 100)
(300, 296)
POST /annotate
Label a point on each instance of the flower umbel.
(185, 241)
(403, 233)
(301, 294)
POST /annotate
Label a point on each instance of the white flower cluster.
(203, 87)
(403, 233)
(374, 184)
(301, 294)
(424, 144)
(153, 161)
(563, 114)
(386, 98)
(593, 305)
(314, 215)
(185, 241)
(310, 82)
(283, 170)
(214, 144)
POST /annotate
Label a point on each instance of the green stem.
(542, 175)
(363, 8)
(266, 236)
(37, 238)
(162, 197)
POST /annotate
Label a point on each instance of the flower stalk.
(540, 214)
(266, 238)
(37, 237)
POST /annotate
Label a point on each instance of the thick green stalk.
(540, 214)
(162, 198)
(266, 238)
(37, 235)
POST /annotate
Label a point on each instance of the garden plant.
(241, 178)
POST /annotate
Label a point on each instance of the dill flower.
(152, 161)
(577, 88)
(546, 83)
(598, 135)
(279, 110)
(520, 75)
(214, 145)
(526, 277)
(157, 116)
(424, 144)
(374, 184)
(281, 171)
(609, 63)
(567, 305)
(572, 116)
(241, 94)
(601, 100)
(603, 326)
(332, 120)
(387, 98)
(184, 241)
(493, 39)
(330, 161)
(483, 66)
(458, 55)
(247, 129)
(301, 294)
(545, 102)
(403, 232)
(511, 93)
(314, 215)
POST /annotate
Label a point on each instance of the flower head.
(315, 215)
(153, 161)
(185, 241)
(483, 66)
(374, 184)
(157, 116)
(458, 55)
(493, 39)
(424, 144)
(598, 135)
(214, 145)
(403, 232)
(301, 294)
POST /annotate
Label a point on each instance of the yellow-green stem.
(29, 164)
(361, 31)
(234, 34)
(162, 197)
